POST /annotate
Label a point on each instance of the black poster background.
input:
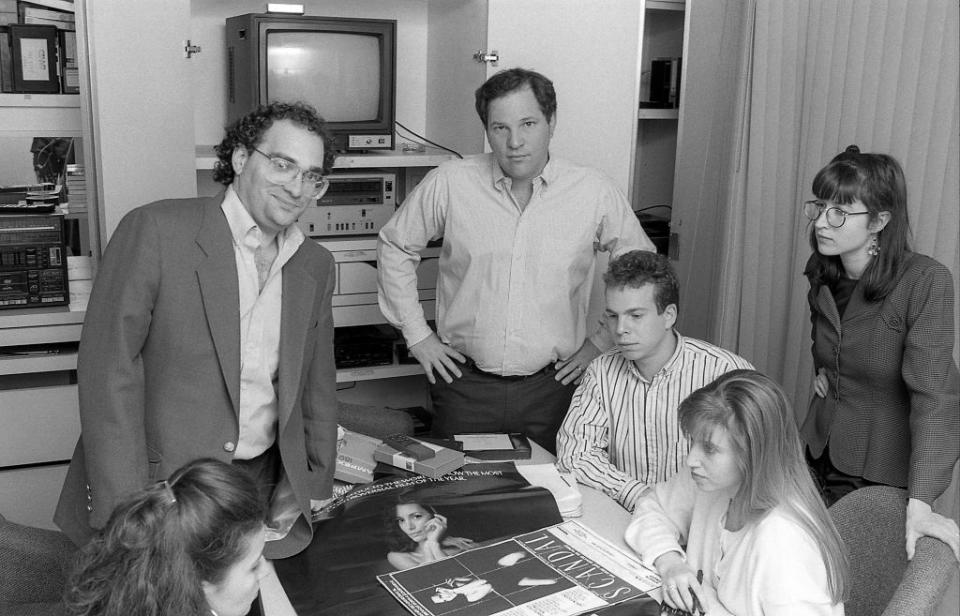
(336, 574)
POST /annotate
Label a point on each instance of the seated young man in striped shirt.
(621, 433)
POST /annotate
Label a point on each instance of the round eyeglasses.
(835, 216)
(284, 171)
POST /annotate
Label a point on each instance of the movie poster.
(564, 570)
(379, 528)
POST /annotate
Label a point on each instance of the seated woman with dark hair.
(191, 545)
(418, 534)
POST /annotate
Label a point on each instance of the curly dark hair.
(877, 181)
(513, 79)
(397, 540)
(639, 267)
(247, 131)
(160, 543)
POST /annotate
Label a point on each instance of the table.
(600, 512)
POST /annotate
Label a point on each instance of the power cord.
(427, 141)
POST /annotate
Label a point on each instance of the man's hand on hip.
(434, 355)
(572, 369)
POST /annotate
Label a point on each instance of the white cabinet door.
(591, 52)
(142, 104)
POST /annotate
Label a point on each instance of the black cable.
(419, 136)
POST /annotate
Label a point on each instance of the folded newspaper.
(562, 570)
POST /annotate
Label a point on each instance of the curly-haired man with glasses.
(209, 332)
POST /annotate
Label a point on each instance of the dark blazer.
(159, 365)
(892, 414)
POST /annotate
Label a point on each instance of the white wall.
(208, 69)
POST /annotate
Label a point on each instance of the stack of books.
(76, 189)
(355, 461)
(443, 461)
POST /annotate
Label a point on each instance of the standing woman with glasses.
(190, 546)
(885, 403)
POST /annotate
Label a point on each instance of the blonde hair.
(759, 419)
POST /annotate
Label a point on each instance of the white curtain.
(815, 76)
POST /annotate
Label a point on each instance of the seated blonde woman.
(746, 509)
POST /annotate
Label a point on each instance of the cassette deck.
(354, 204)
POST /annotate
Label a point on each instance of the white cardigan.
(772, 567)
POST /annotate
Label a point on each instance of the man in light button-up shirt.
(209, 333)
(521, 232)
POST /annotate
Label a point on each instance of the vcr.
(354, 204)
(33, 261)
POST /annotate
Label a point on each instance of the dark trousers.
(833, 484)
(265, 471)
(533, 405)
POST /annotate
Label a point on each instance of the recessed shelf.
(389, 158)
(665, 5)
(658, 114)
(39, 100)
(369, 373)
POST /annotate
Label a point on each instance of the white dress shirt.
(515, 284)
(259, 326)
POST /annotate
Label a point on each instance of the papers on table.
(562, 485)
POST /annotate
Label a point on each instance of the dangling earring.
(874, 248)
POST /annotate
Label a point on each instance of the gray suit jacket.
(159, 365)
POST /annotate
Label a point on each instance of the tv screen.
(344, 67)
(339, 73)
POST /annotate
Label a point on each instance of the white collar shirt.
(260, 315)
(515, 285)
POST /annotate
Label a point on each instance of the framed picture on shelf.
(34, 55)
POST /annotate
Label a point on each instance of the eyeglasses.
(835, 216)
(283, 171)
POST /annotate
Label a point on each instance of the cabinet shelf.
(658, 114)
(369, 373)
(206, 158)
(40, 100)
(29, 364)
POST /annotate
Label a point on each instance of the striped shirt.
(621, 434)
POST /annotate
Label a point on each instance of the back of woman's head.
(161, 543)
(877, 181)
(759, 418)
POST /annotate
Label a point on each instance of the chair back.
(872, 523)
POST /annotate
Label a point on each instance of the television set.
(344, 67)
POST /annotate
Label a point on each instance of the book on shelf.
(6, 61)
(31, 11)
(59, 5)
(444, 461)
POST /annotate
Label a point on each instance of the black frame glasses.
(835, 216)
(284, 171)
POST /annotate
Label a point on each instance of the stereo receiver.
(354, 204)
(33, 261)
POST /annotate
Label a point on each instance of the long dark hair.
(878, 182)
(760, 421)
(397, 540)
(161, 543)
